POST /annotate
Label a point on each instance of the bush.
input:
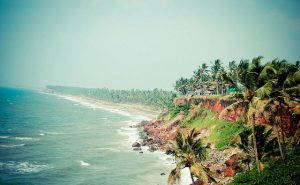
(277, 173)
(177, 109)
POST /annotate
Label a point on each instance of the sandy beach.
(147, 112)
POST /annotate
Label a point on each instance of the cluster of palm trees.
(156, 97)
(212, 79)
(268, 90)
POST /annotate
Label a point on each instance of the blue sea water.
(45, 139)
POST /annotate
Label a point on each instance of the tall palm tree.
(201, 75)
(265, 141)
(189, 152)
(279, 90)
(215, 68)
(249, 75)
(181, 85)
(233, 71)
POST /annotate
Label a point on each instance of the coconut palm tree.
(201, 75)
(189, 152)
(215, 68)
(250, 74)
(279, 91)
(181, 85)
(265, 141)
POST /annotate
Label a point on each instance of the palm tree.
(250, 74)
(181, 85)
(215, 68)
(265, 141)
(201, 75)
(233, 71)
(189, 152)
(280, 89)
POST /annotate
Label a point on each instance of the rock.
(141, 152)
(136, 144)
(229, 172)
(208, 145)
(152, 149)
(162, 174)
(232, 165)
(144, 122)
(137, 148)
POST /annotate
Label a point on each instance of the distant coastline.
(147, 111)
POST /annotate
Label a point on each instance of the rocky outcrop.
(136, 144)
(158, 134)
(232, 164)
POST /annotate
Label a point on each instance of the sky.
(143, 44)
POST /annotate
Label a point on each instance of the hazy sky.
(137, 43)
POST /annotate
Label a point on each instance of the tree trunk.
(278, 140)
(246, 109)
(255, 145)
(282, 132)
(191, 175)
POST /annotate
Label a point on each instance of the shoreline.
(141, 113)
(147, 112)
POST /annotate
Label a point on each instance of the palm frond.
(175, 176)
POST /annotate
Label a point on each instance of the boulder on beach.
(136, 144)
(137, 148)
(152, 149)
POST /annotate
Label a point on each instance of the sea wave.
(111, 149)
(11, 145)
(130, 132)
(23, 138)
(22, 167)
(92, 105)
(4, 137)
(83, 163)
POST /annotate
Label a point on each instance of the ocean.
(47, 139)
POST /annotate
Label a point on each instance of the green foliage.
(189, 152)
(277, 173)
(222, 132)
(156, 97)
(177, 109)
(266, 143)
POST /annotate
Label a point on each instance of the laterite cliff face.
(217, 105)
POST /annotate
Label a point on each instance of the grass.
(277, 173)
(222, 132)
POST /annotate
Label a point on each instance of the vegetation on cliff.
(277, 172)
(268, 93)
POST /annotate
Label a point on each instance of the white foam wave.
(11, 145)
(4, 137)
(111, 149)
(23, 167)
(51, 133)
(23, 138)
(83, 163)
(92, 105)
(131, 134)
